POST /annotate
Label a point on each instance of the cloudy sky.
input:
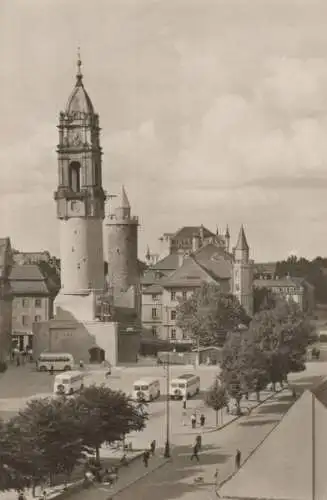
(212, 111)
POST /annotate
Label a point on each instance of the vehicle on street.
(146, 389)
(55, 361)
(68, 382)
(185, 386)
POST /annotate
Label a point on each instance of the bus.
(68, 382)
(146, 389)
(54, 360)
(184, 386)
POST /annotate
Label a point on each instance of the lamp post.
(167, 444)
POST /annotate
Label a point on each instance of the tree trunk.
(258, 396)
(97, 454)
(217, 423)
(238, 406)
(222, 416)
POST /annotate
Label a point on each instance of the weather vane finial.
(79, 64)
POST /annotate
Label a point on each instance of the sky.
(213, 112)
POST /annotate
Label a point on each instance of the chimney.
(202, 234)
(195, 242)
(181, 257)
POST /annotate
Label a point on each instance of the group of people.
(194, 420)
(20, 357)
(95, 473)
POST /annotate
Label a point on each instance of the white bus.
(68, 382)
(146, 389)
(56, 361)
(184, 386)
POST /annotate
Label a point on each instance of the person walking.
(184, 403)
(146, 457)
(21, 496)
(153, 447)
(198, 442)
(195, 453)
(193, 420)
(237, 459)
(51, 371)
(202, 420)
(107, 365)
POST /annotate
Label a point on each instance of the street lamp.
(167, 444)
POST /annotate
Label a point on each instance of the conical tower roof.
(124, 203)
(242, 244)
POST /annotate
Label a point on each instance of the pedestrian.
(153, 447)
(237, 459)
(184, 403)
(44, 495)
(216, 477)
(17, 360)
(202, 420)
(193, 420)
(51, 371)
(293, 393)
(81, 364)
(21, 496)
(195, 453)
(107, 365)
(146, 456)
(198, 442)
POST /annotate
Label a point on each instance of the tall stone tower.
(243, 273)
(121, 233)
(80, 204)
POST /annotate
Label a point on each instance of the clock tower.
(80, 198)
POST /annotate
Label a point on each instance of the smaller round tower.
(122, 242)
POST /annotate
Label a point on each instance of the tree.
(282, 334)
(263, 299)
(232, 368)
(209, 314)
(107, 416)
(216, 397)
(47, 433)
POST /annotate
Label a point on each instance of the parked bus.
(55, 361)
(68, 382)
(184, 386)
(146, 389)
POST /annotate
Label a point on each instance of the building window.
(173, 296)
(154, 313)
(173, 334)
(37, 318)
(173, 315)
(25, 320)
(154, 331)
(25, 302)
(75, 176)
(38, 302)
(184, 295)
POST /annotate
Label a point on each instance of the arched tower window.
(75, 176)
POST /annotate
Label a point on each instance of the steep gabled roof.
(190, 274)
(169, 263)
(188, 232)
(215, 260)
(154, 289)
(28, 279)
(281, 467)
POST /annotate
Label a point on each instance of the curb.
(146, 473)
(237, 417)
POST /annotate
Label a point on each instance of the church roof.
(242, 244)
(281, 467)
(79, 100)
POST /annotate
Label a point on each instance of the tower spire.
(242, 244)
(79, 76)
